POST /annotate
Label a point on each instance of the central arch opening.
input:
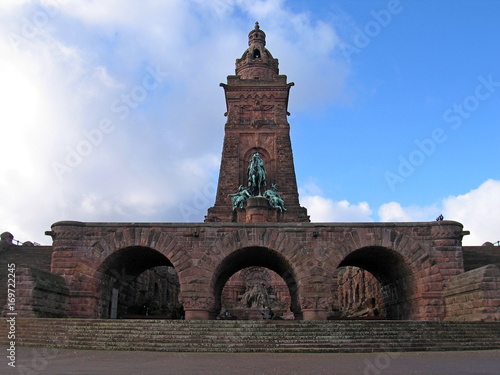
(255, 283)
(137, 282)
(375, 279)
(255, 290)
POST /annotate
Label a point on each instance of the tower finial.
(257, 61)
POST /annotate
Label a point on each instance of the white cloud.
(394, 212)
(322, 209)
(6, 5)
(68, 64)
(479, 211)
(19, 100)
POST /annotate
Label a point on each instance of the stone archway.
(270, 248)
(405, 268)
(137, 282)
(118, 258)
(206, 255)
(393, 273)
(253, 290)
(255, 257)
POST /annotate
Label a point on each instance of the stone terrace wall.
(479, 256)
(40, 294)
(474, 295)
(31, 256)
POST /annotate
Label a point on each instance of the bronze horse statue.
(256, 175)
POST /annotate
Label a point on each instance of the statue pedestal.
(257, 210)
(315, 314)
(197, 314)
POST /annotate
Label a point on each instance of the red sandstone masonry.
(420, 265)
(474, 295)
(311, 260)
(39, 294)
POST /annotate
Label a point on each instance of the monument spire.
(257, 62)
(257, 173)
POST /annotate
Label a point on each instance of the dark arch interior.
(260, 257)
(137, 281)
(134, 260)
(391, 269)
(256, 53)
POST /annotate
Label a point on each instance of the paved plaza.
(36, 361)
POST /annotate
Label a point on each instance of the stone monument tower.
(110, 270)
(257, 180)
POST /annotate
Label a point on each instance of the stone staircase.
(254, 336)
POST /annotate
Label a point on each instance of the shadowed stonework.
(257, 248)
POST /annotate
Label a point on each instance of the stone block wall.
(29, 256)
(413, 261)
(479, 256)
(40, 293)
(474, 295)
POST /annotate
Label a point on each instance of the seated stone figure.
(256, 296)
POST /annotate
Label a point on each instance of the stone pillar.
(83, 304)
(315, 307)
(259, 211)
(446, 250)
(256, 210)
(314, 314)
(197, 307)
(197, 314)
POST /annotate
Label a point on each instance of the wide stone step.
(273, 334)
(294, 342)
(254, 336)
(229, 335)
(215, 341)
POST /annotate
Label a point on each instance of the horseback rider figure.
(256, 175)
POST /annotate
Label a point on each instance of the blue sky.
(112, 111)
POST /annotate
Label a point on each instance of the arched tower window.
(256, 53)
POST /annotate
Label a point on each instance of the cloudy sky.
(112, 111)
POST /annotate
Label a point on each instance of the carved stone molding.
(197, 303)
(316, 302)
